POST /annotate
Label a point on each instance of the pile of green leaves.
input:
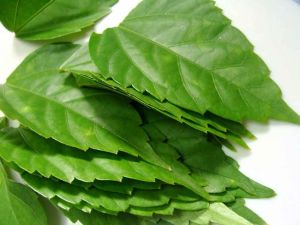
(130, 128)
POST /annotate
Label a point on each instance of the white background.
(273, 26)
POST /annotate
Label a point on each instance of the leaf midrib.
(211, 72)
(34, 15)
(70, 109)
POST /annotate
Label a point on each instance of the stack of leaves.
(185, 60)
(129, 130)
(93, 151)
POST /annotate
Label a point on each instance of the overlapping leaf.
(49, 158)
(49, 19)
(141, 202)
(51, 104)
(216, 213)
(81, 65)
(205, 159)
(188, 54)
(33, 153)
(19, 205)
(96, 198)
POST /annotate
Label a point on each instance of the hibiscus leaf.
(51, 104)
(188, 54)
(83, 68)
(220, 213)
(205, 159)
(19, 205)
(51, 158)
(240, 208)
(49, 19)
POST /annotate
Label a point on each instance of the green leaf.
(142, 203)
(240, 208)
(3, 122)
(33, 153)
(81, 65)
(205, 159)
(51, 104)
(216, 213)
(188, 54)
(96, 218)
(19, 205)
(49, 158)
(49, 19)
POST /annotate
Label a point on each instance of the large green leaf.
(81, 65)
(51, 104)
(49, 19)
(187, 53)
(19, 205)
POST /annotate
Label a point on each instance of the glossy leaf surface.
(187, 53)
(81, 65)
(49, 19)
(51, 104)
(33, 153)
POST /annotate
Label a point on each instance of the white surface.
(273, 26)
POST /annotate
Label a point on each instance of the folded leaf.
(51, 104)
(49, 19)
(19, 205)
(187, 53)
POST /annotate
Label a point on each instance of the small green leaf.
(49, 19)
(19, 205)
